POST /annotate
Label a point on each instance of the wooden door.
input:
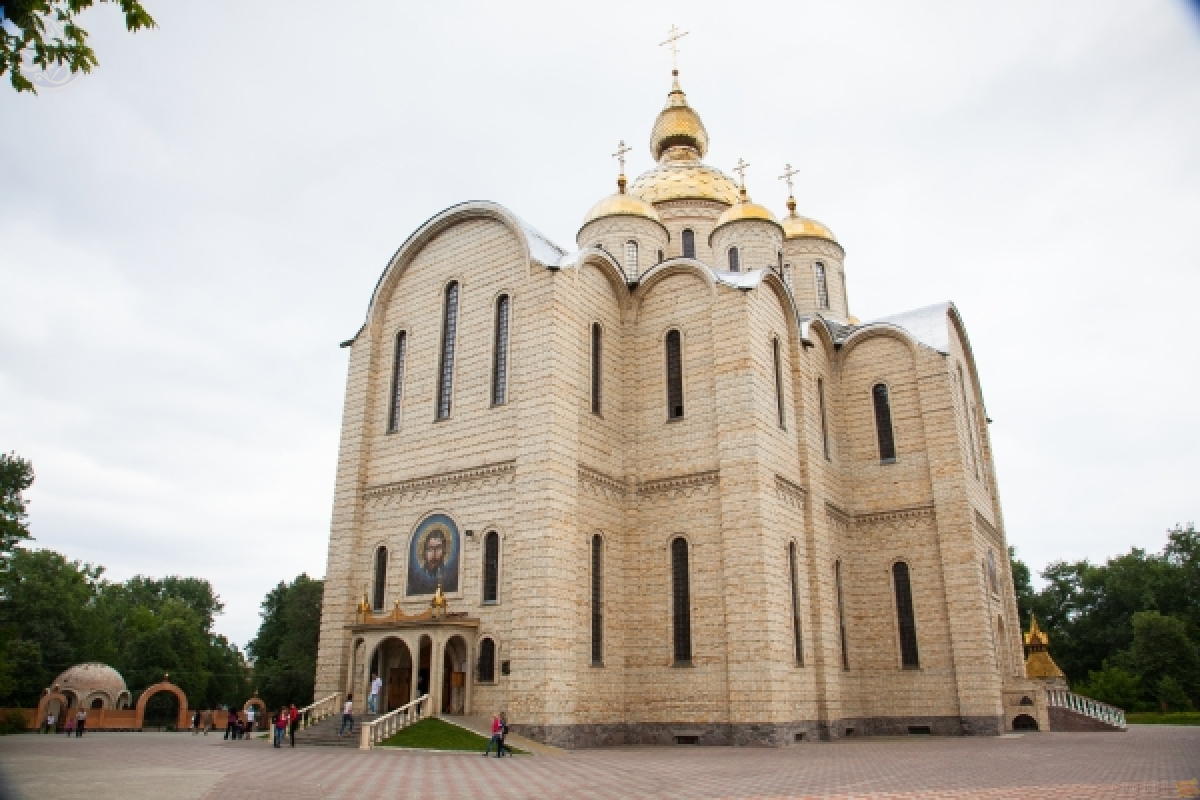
(399, 687)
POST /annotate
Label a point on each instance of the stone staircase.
(1072, 712)
(325, 732)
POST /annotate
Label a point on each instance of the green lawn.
(1155, 718)
(432, 733)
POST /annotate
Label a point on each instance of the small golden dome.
(745, 210)
(621, 204)
(796, 226)
(678, 125)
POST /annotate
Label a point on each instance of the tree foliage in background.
(285, 649)
(16, 476)
(26, 39)
(1127, 628)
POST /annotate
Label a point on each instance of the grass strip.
(432, 733)
(1156, 718)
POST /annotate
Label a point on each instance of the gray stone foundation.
(765, 734)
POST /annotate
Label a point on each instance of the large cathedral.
(665, 488)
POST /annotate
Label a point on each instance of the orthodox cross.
(674, 35)
(622, 149)
(788, 172)
(740, 169)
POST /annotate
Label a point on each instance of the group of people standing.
(282, 723)
(75, 723)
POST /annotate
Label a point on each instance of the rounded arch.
(44, 707)
(607, 266)
(163, 686)
(491, 556)
(875, 330)
(779, 288)
(485, 661)
(666, 269)
(535, 247)
(453, 556)
(1024, 722)
(814, 331)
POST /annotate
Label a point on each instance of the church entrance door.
(399, 687)
(454, 677)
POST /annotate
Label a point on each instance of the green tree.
(26, 36)
(1112, 685)
(16, 476)
(1023, 586)
(1161, 649)
(285, 649)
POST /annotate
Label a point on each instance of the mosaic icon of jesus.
(433, 556)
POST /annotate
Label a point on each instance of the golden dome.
(678, 125)
(745, 210)
(681, 176)
(796, 226)
(621, 204)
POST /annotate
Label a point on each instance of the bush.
(1170, 695)
(1112, 685)
(12, 721)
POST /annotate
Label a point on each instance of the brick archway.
(45, 701)
(184, 720)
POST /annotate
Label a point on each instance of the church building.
(664, 487)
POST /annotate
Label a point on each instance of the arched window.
(674, 375)
(845, 296)
(631, 258)
(841, 610)
(905, 619)
(660, 257)
(681, 602)
(689, 243)
(491, 567)
(734, 260)
(487, 661)
(779, 408)
(597, 365)
(883, 424)
(381, 558)
(397, 381)
(824, 419)
(797, 636)
(500, 354)
(597, 600)
(779, 261)
(962, 390)
(993, 580)
(822, 286)
(446, 366)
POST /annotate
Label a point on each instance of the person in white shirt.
(249, 721)
(347, 716)
(373, 697)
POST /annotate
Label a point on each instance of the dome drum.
(759, 243)
(614, 235)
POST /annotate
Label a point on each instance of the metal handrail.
(322, 709)
(377, 730)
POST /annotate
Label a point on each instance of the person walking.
(80, 722)
(50, 720)
(69, 728)
(293, 723)
(239, 725)
(373, 697)
(347, 715)
(503, 735)
(250, 715)
(496, 739)
(230, 722)
(281, 724)
(206, 721)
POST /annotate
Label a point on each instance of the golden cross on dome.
(673, 37)
(740, 169)
(622, 149)
(788, 172)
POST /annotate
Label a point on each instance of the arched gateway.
(183, 720)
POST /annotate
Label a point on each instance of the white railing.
(1061, 698)
(322, 709)
(377, 730)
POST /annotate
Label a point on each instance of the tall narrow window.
(779, 261)
(487, 661)
(660, 257)
(491, 567)
(381, 558)
(845, 295)
(597, 366)
(993, 580)
(841, 610)
(500, 356)
(883, 424)
(735, 263)
(689, 243)
(962, 390)
(797, 632)
(681, 602)
(906, 620)
(674, 375)
(824, 419)
(822, 286)
(779, 407)
(397, 381)
(446, 365)
(631, 258)
(597, 600)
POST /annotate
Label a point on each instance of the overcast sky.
(187, 234)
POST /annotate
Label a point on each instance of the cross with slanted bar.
(788, 172)
(620, 155)
(740, 169)
(674, 35)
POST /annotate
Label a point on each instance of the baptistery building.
(663, 486)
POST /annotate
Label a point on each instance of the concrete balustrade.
(379, 729)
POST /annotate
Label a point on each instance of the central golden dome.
(678, 125)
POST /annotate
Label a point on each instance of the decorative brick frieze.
(791, 494)
(441, 483)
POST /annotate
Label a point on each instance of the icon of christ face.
(435, 552)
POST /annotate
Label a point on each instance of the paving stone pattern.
(1147, 762)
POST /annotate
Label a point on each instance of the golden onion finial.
(787, 175)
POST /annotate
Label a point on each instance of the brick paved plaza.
(1145, 762)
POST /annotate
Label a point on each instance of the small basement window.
(687, 740)
(920, 730)
(799, 737)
